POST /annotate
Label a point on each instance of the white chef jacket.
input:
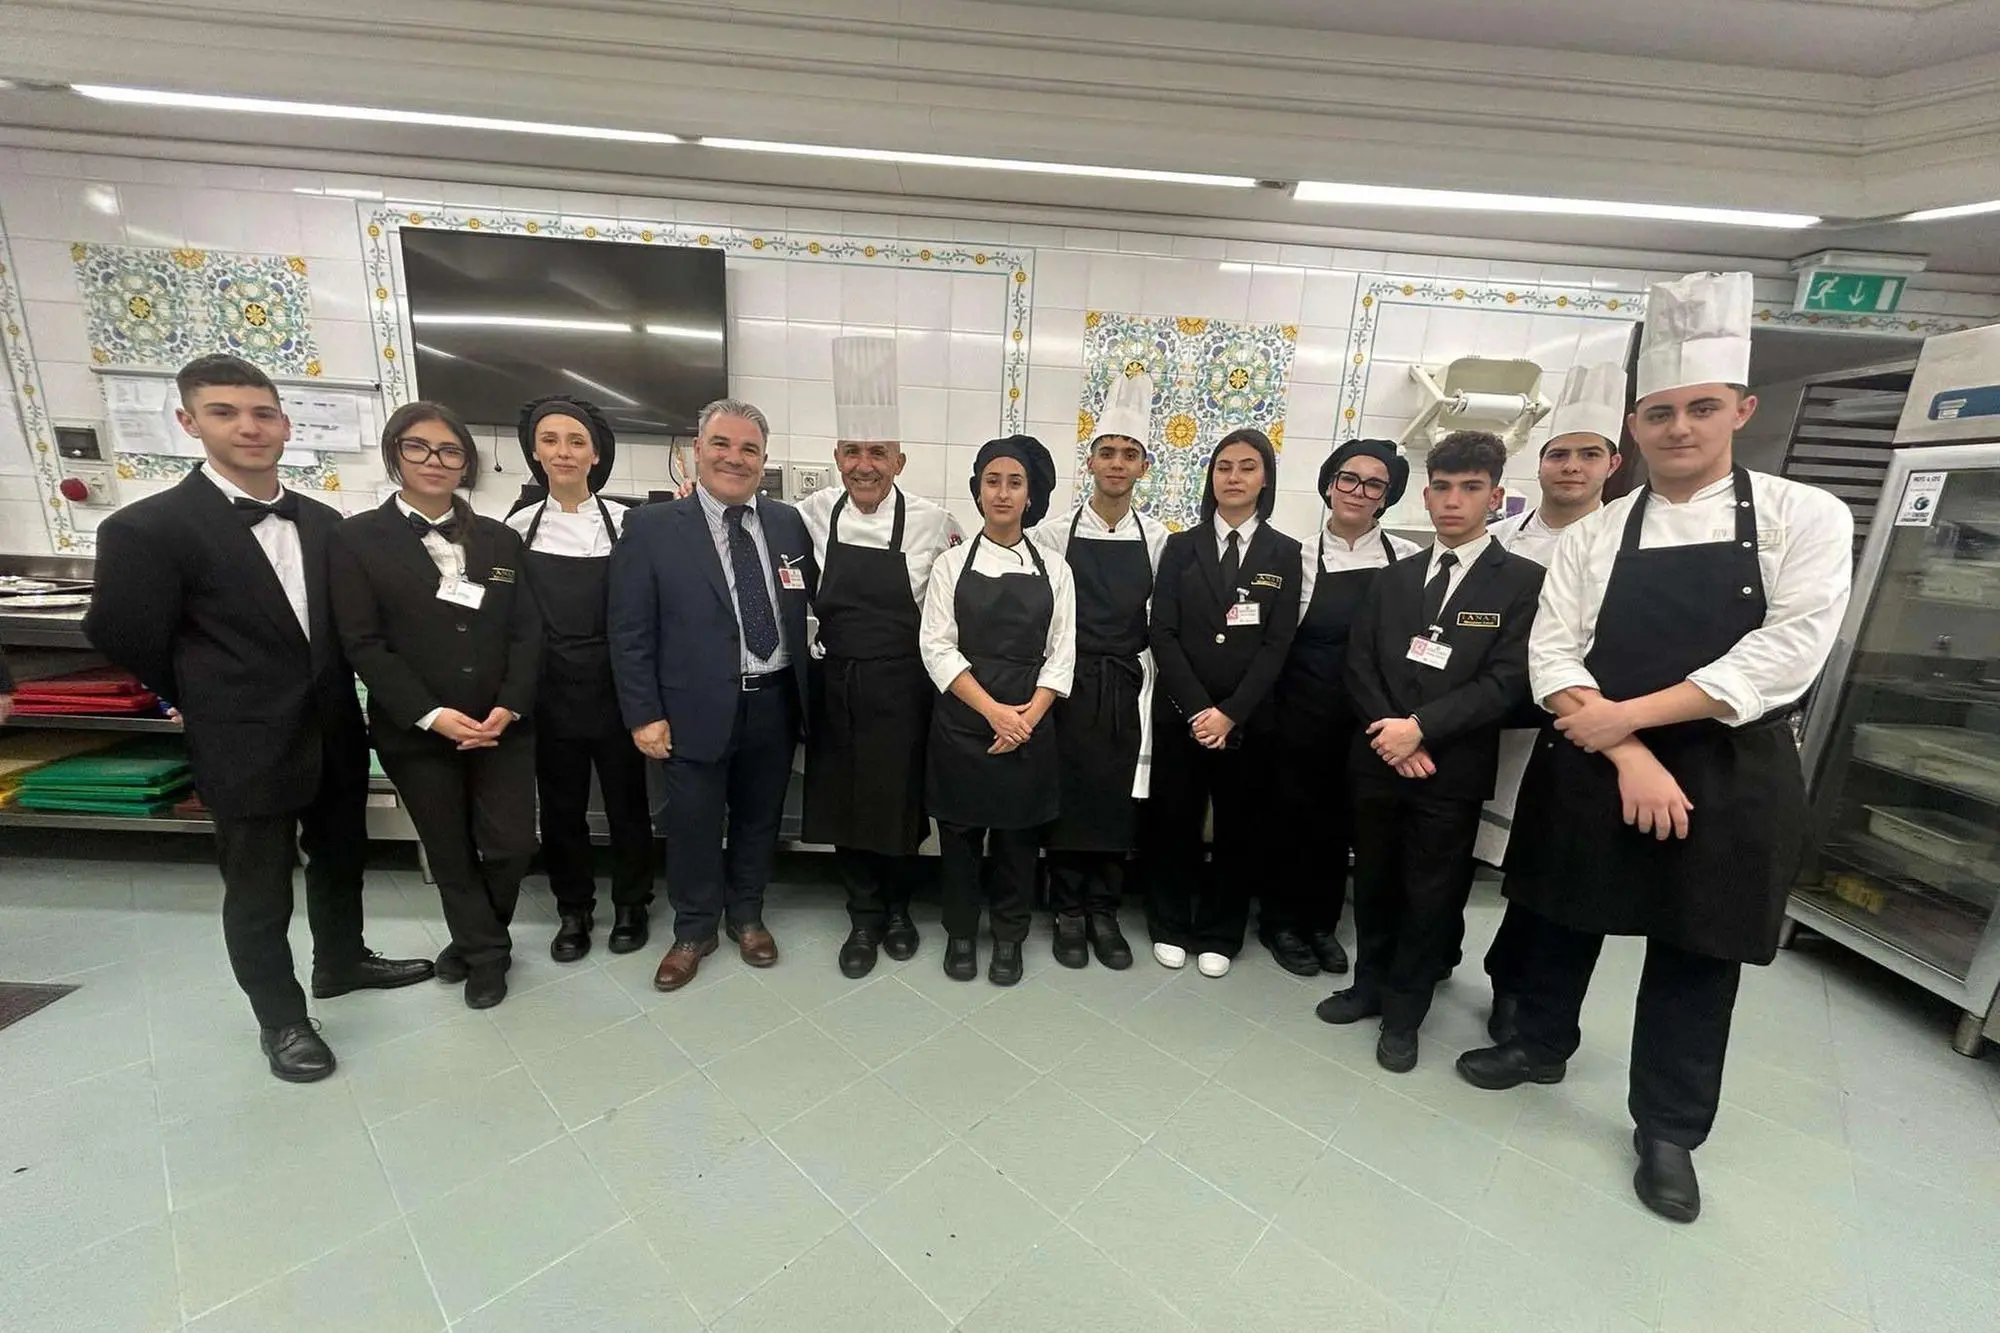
(278, 538)
(581, 535)
(928, 529)
(1528, 536)
(1805, 551)
(1337, 556)
(938, 638)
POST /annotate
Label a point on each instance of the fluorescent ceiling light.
(437, 351)
(387, 115)
(678, 331)
(1955, 211)
(604, 389)
(336, 192)
(524, 322)
(987, 163)
(1327, 192)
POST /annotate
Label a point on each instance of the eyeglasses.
(1354, 483)
(413, 450)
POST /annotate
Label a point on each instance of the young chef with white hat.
(1580, 457)
(871, 698)
(1104, 726)
(1678, 627)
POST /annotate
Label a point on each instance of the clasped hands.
(472, 734)
(1650, 798)
(1400, 743)
(1012, 724)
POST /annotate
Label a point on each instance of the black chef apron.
(1667, 612)
(1099, 736)
(871, 700)
(1312, 690)
(1003, 632)
(576, 698)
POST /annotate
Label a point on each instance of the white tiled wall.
(951, 328)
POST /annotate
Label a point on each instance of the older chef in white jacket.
(1678, 628)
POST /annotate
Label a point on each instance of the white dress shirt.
(928, 529)
(717, 514)
(1805, 551)
(582, 534)
(1468, 556)
(1339, 556)
(449, 557)
(279, 540)
(1222, 531)
(1528, 536)
(938, 642)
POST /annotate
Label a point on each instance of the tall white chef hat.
(1128, 410)
(1592, 401)
(1697, 332)
(864, 389)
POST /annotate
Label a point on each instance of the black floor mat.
(19, 999)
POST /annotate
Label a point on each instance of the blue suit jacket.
(674, 639)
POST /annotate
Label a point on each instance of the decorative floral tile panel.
(1210, 377)
(164, 307)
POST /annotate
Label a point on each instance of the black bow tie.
(253, 512)
(447, 527)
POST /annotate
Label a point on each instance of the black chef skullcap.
(562, 405)
(1034, 458)
(1386, 452)
(1258, 440)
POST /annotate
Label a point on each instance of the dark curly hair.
(1468, 451)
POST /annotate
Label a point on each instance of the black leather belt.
(769, 680)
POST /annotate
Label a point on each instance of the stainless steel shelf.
(14, 818)
(1984, 798)
(46, 722)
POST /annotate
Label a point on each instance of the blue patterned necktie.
(753, 599)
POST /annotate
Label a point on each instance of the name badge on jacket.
(1479, 620)
(1244, 613)
(460, 593)
(790, 577)
(1429, 652)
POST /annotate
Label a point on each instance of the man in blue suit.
(708, 645)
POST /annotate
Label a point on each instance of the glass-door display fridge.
(1902, 744)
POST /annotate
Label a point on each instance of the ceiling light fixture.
(1392, 196)
(1954, 211)
(336, 192)
(523, 322)
(982, 163)
(387, 115)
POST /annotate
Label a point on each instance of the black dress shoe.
(572, 939)
(1665, 1179)
(899, 935)
(1497, 1068)
(1072, 947)
(296, 1053)
(1005, 969)
(1504, 1023)
(857, 955)
(1332, 955)
(486, 986)
(630, 931)
(1292, 952)
(1108, 941)
(370, 972)
(961, 959)
(1396, 1051)
(451, 969)
(1349, 1006)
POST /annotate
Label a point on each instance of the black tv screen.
(640, 330)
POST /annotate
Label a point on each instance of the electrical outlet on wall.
(807, 478)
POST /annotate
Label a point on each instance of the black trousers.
(256, 855)
(475, 814)
(1680, 1032)
(1086, 883)
(1304, 887)
(1196, 907)
(740, 796)
(1002, 882)
(562, 780)
(1412, 875)
(1507, 956)
(877, 884)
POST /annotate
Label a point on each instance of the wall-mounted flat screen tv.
(640, 330)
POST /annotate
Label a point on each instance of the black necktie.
(1437, 588)
(753, 599)
(1232, 560)
(253, 512)
(447, 527)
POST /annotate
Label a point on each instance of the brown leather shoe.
(677, 969)
(755, 943)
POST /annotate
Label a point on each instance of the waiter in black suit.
(567, 539)
(708, 645)
(1438, 660)
(437, 616)
(215, 595)
(1224, 612)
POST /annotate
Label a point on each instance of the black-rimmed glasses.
(1356, 484)
(413, 450)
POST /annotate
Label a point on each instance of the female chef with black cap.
(1304, 893)
(999, 641)
(1225, 606)
(569, 447)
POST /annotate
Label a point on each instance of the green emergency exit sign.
(1833, 292)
